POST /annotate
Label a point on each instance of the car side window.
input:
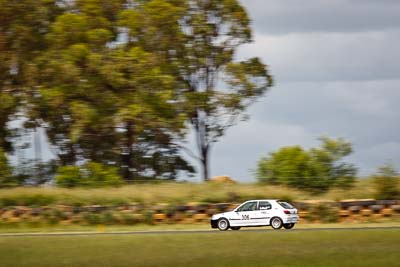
(249, 206)
(264, 205)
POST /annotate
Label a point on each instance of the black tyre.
(223, 224)
(235, 228)
(288, 225)
(276, 223)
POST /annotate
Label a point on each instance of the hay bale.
(344, 213)
(159, 217)
(396, 208)
(376, 208)
(222, 179)
(366, 212)
(200, 217)
(177, 217)
(387, 212)
(355, 209)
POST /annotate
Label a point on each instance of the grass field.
(172, 227)
(170, 192)
(244, 248)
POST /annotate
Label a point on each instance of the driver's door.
(247, 213)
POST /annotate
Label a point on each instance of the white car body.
(262, 212)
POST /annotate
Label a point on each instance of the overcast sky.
(336, 68)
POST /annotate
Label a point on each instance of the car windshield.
(285, 205)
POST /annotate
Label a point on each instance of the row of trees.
(121, 82)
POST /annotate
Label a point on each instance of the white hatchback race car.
(253, 213)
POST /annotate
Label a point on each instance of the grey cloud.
(329, 56)
(288, 16)
(364, 112)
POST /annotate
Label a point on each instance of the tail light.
(286, 212)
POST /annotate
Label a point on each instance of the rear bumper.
(214, 223)
(291, 219)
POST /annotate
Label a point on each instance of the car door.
(263, 213)
(247, 213)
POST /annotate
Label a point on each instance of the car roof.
(262, 200)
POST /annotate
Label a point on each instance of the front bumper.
(214, 223)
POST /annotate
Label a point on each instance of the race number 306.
(245, 217)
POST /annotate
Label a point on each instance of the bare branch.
(189, 152)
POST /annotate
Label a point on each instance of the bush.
(51, 217)
(315, 170)
(92, 218)
(91, 174)
(101, 175)
(6, 177)
(387, 183)
(68, 176)
(324, 212)
(108, 218)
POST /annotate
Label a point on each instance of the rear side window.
(264, 205)
(286, 205)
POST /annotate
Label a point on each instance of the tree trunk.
(205, 163)
(127, 155)
(68, 158)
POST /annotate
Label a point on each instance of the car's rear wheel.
(288, 225)
(235, 228)
(276, 223)
(223, 224)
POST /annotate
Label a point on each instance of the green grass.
(270, 248)
(168, 227)
(170, 192)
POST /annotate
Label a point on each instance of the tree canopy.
(316, 169)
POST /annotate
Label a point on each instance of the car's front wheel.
(223, 224)
(276, 223)
(235, 228)
(288, 225)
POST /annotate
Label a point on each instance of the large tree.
(105, 97)
(195, 42)
(218, 89)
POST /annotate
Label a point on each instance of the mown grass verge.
(21, 228)
(270, 248)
